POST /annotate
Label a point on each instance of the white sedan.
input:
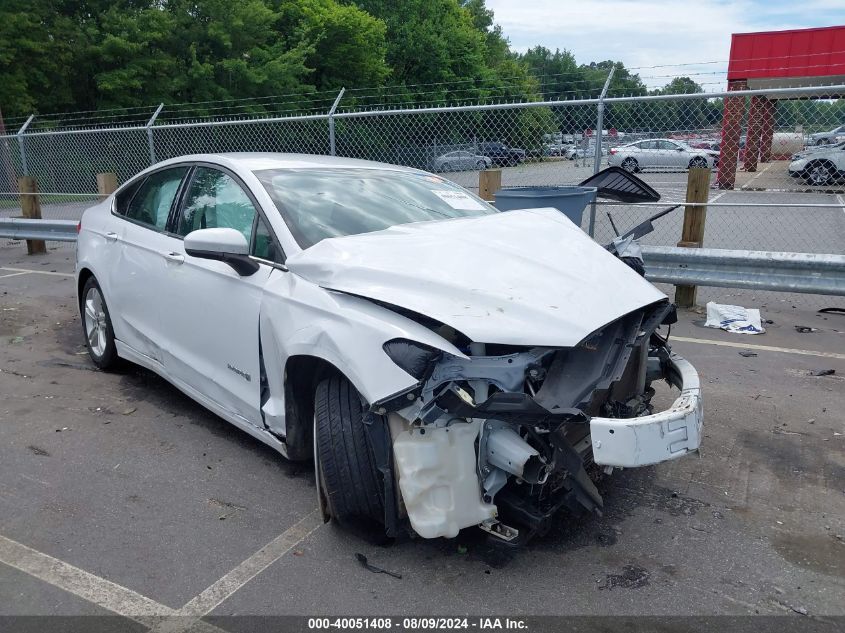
(461, 160)
(445, 364)
(661, 154)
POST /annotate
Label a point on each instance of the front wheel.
(630, 165)
(346, 466)
(481, 165)
(820, 173)
(97, 327)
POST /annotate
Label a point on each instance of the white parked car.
(461, 160)
(579, 151)
(446, 365)
(819, 166)
(831, 136)
(661, 154)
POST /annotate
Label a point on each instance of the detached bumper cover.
(629, 442)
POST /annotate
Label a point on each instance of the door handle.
(175, 258)
(111, 236)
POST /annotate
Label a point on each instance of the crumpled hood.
(528, 277)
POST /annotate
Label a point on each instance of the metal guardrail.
(754, 270)
(51, 230)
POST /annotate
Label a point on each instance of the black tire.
(100, 345)
(447, 167)
(631, 165)
(820, 173)
(821, 141)
(346, 465)
(481, 165)
(698, 161)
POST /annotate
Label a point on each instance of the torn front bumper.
(650, 439)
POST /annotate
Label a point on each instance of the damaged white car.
(446, 365)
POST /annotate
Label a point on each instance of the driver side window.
(215, 200)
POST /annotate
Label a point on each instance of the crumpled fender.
(343, 330)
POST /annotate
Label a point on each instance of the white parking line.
(100, 591)
(37, 272)
(132, 605)
(209, 599)
(764, 348)
(760, 173)
(14, 274)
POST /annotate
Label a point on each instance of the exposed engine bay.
(502, 439)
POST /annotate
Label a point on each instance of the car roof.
(256, 161)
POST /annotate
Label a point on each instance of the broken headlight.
(415, 358)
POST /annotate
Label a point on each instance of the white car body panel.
(474, 274)
(524, 278)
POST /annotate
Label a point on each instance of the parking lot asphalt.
(118, 494)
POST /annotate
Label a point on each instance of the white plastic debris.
(734, 319)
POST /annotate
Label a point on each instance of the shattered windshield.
(321, 203)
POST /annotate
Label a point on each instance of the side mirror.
(223, 245)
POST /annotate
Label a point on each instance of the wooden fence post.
(31, 208)
(692, 235)
(489, 182)
(106, 184)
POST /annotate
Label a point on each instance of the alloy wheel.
(96, 324)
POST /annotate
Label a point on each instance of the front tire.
(820, 173)
(97, 326)
(346, 465)
(630, 165)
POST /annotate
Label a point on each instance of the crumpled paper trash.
(735, 319)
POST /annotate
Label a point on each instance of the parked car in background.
(584, 152)
(824, 138)
(460, 160)
(713, 145)
(329, 307)
(821, 167)
(501, 154)
(661, 154)
(558, 149)
(811, 150)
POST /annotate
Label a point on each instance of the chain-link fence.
(777, 156)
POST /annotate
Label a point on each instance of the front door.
(211, 312)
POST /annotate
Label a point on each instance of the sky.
(665, 33)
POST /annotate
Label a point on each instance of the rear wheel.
(481, 165)
(447, 167)
(346, 466)
(97, 327)
(630, 165)
(820, 173)
(698, 161)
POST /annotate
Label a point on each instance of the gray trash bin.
(570, 200)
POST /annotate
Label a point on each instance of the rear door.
(138, 271)
(212, 312)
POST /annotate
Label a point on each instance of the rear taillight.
(612, 152)
(79, 226)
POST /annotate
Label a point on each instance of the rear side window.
(216, 200)
(122, 200)
(152, 202)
